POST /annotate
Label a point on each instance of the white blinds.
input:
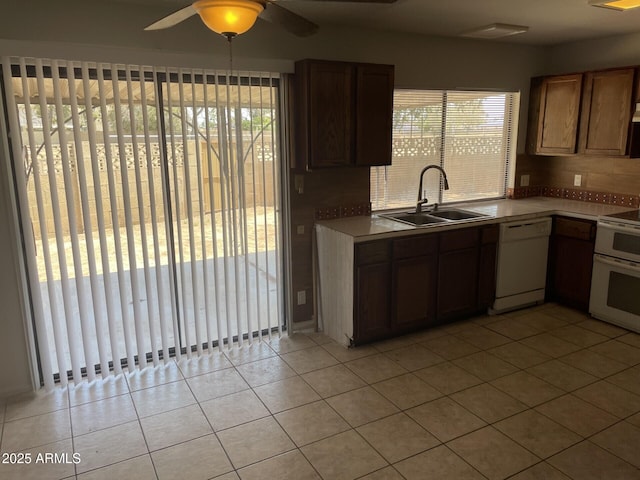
(150, 203)
(472, 135)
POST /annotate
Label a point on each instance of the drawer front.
(458, 239)
(580, 229)
(415, 246)
(372, 252)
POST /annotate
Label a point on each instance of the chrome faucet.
(422, 201)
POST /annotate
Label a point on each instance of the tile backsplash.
(609, 198)
(328, 213)
(608, 180)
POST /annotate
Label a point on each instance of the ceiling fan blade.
(173, 19)
(291, 22)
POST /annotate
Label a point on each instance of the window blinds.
(150, 203)
(472, 135)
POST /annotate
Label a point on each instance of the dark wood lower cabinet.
(457, 283)
(413, 282)
(487, 273)
(571, 262)
(373, 283)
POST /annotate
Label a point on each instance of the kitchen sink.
(432, 217)
(415, 218)
(455, 214)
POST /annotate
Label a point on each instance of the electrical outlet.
(524, 180)
(577, 180)
(302, 297)
(300, 229)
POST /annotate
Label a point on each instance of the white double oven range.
(615, 284)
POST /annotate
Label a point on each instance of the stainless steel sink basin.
(451, 214)
(432, 217)
(415, 218)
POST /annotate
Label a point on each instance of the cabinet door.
(457, 283)
(372, 316)
(571, 261)
(414, 287)
(458, 272)
(487, 266)
(374, 114)
(330, 114)
(555, 106)
(606, 112)
(572, 272)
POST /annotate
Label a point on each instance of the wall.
(620, 50)
(599, 174)
(323, 189)
(113, 32)
(14, 358)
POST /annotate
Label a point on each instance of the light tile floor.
(543, 393)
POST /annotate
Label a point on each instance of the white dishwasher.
(522, 264)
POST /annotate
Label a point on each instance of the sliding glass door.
(150, 203)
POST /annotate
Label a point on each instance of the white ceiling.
(550, 22)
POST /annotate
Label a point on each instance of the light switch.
(302, 297)
(300, 229)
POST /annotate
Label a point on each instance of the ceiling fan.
(233, 17)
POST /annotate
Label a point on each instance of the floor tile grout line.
(606, 379)
(213, 431)
(271, 414)
(73, 437)
(112, 464)
(463, 459)
(598, 379)
(530, 466)
(589, 439)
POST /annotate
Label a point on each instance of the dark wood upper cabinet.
(343, 114)
(606, 112)
(554, 110)
(374, 114)
(325, 104)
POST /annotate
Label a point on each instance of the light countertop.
(498, 211)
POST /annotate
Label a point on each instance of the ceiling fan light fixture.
(616, 4)
(228, 17)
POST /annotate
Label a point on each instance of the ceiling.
(550, 22)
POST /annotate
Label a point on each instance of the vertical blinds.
(150, 202)
(472, 135)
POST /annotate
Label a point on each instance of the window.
(472, 135)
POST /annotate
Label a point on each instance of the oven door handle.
(614, 262)
(619, 228)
